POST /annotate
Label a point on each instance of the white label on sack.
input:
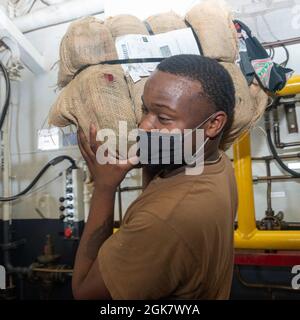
(48, 139)
(137, 46)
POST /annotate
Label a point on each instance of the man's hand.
(105, 176)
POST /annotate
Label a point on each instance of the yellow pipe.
(292, 87)
(263, 239)
(247, 236)
(243, 173)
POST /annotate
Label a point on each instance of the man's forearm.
(98, 228)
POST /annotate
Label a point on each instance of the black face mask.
(159, 150)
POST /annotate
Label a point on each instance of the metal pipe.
(280, 43)
(268, 239)
(286, 226)
(275, 178)
(276, 130)
(243, 172)
(269, 190)
(57, 14)
(260, 285)
(289, 144)
(49, 270)
(283, 157)
(291, 88)
(247, 236)
(131, 188)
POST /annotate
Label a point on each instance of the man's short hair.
(215, 80)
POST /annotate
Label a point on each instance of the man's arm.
(87, 282)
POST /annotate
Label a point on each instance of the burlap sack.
(165, 22)
(261, 101)
(121, 25)
(87, 41)
(212, 23)
(136, 91)
(97, 95)
(244, 107)
(125, 24)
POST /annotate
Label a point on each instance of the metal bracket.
(291, 117)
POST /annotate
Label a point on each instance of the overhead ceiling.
(270, 20)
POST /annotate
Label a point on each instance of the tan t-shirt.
(176, 239)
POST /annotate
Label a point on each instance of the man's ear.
(216, 124)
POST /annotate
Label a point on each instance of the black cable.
(287, 56)
(271, 52)
(52, 162)
(274, 151)
(7, 98)
(118, 61)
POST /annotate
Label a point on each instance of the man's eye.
(163, 119)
